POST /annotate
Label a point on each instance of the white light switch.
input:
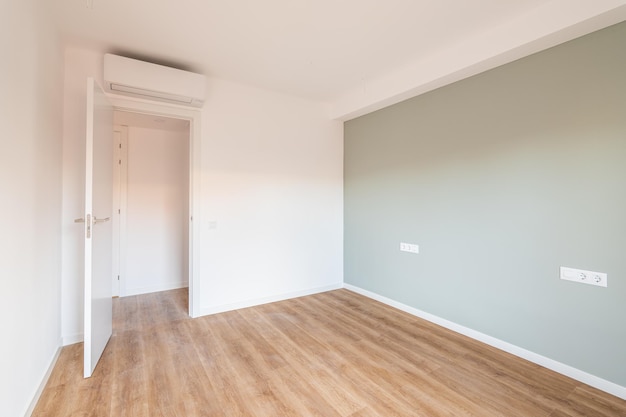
(409, 247)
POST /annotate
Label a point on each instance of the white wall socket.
(409, 247)
(584, 277)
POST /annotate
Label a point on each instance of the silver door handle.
(96, 220)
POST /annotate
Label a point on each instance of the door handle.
(96, 220)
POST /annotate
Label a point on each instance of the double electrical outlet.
(584, 277)
(409, 247)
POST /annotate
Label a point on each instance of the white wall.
(272, 187)
(30, 185)
(157, 187)
(272, 203)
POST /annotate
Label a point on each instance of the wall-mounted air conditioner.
(151, 81)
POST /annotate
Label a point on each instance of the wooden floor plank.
(335, 354)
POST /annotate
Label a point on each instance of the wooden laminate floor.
(330, 354)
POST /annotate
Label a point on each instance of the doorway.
(151, 203)
(192, 118)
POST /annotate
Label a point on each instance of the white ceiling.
(326, 50)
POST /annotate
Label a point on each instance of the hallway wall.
(157, 211)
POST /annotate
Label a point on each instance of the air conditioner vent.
(154, 82)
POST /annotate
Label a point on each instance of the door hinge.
(118, 277)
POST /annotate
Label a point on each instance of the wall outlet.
(584, 277)
(409, 247)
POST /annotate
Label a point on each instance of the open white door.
(98, 230)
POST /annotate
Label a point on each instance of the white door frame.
(120, 175)
(195, 139)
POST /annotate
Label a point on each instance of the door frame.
(194, 117)
(120, 176)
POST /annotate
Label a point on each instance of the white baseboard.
(155, 288)
(44, 381)
(73, 338)
(582, 376)
(205, 311)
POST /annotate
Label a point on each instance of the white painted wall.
(30, 185)
(272, 185)
(271, 179)
(156, 214)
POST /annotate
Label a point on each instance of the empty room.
(400, 208)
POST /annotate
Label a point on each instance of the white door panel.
(98, 229)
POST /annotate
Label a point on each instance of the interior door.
(98, 230)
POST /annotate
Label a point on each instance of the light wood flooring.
(330, 354)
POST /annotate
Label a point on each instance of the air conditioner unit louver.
(154, 82)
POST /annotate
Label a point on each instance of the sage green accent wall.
(502, 178)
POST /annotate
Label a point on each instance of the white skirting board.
(42, 385)
(175, 285)
(73, 338)
(205, 311)
(577, 374)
